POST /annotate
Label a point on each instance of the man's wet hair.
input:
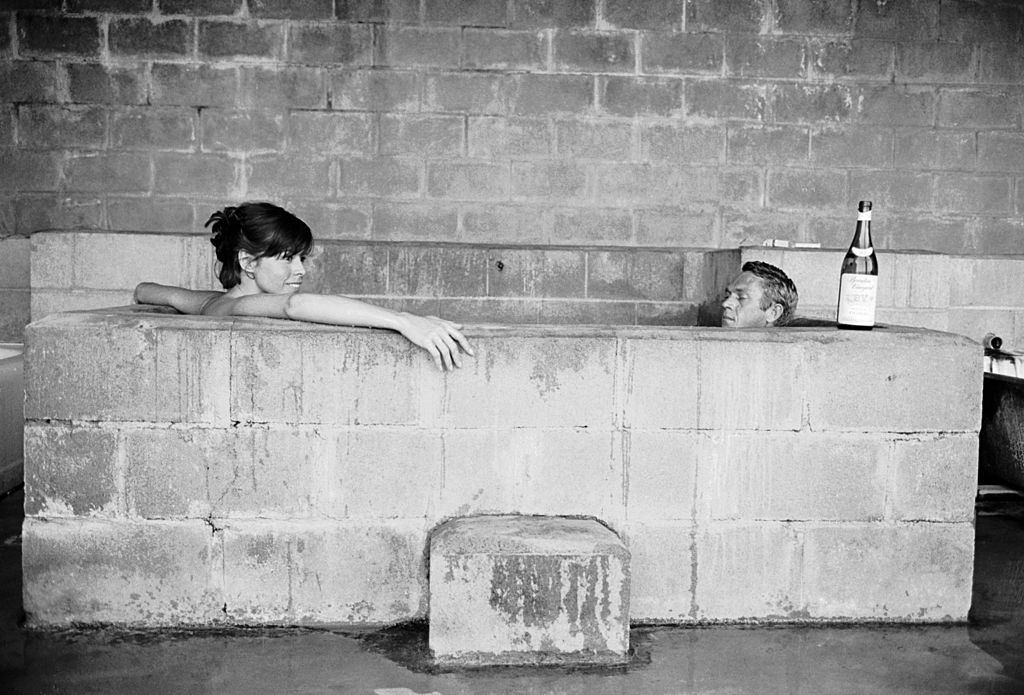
(778, 288)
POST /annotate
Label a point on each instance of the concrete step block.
(528, 589)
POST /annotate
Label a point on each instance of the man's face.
(742, 305)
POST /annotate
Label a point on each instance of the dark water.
(984, 656)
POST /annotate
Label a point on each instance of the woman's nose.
(297, 267)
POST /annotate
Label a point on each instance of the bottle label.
(857, 294)
(863, 253)
(864, 216)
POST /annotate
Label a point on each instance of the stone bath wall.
(199, 470)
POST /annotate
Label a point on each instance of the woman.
(262, 249)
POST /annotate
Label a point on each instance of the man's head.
(761, 295)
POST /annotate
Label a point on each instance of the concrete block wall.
(204, 470)
(669, 124)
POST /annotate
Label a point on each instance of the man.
(761, 295)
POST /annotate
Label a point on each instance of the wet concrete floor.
(984, 656)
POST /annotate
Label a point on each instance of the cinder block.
(30, 81)
(481, 472)
(391, 11)
(829, 17)
(866, 58)
(479, 13)
(678, 52)
(153, 128)
(594, 139)
(29, 171)
(197, 174)
(635, 275)
(166, 470)
(386, 473)
(563, 181)
(276, 175)
(232, 40)
(538, 95)
(976, 322)
(329, 376)
(15, 313)
(745, 389)
(283, 87)
(348, 268)
(284, 9)
(600, 52)
(653, 184)
(193, 368)
(692, 144)
(662, 384)
(137, 36)
(935, 149)
(966, 193)
(47, 35)
(908, 572)
(592, 225)
(935, 478)
(93, 83)
(272, 473)
(391, 177)
(324, 572)
(241, 131)
(434, 136)
(457, 180)
(720, 99)
(977, 108)
(476, 93)
(527, 13)
(437, 272)
(414, 221)
(747, 572)
(81, 367)
(341, 133)
(408, 46)
(495, 49)
(935, 62)
(897, 105)
(507, 224)
(670, 226)
(661, 471)
(892, 369)
(554, 381)
(855, 146)
(585, 311)
(111, 173)
(56, 127)
(71, 470)
(167, 215)
(14, 262)
(640, 96)
(194, 85)
(662, 570)
(513, 589)
(152, 574)
(795, 476)
(755, 55)
(807, 188)
(515, 272)
(985, 282)
(727, 15)
(375, 90)
(152, 257)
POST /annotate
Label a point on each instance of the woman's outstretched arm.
(442, 339)
(184, 300)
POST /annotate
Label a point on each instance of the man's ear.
(773, 313)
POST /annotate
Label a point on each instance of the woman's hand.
(438, 337)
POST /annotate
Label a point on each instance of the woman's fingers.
(451, 348)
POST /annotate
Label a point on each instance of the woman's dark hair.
(262, 229)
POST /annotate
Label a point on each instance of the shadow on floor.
(984, 657)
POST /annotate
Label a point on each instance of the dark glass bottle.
(858, 278)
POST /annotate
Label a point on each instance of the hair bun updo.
(260, 229)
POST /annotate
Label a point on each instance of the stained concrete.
(984, 656)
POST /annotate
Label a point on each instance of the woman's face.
(281, 274)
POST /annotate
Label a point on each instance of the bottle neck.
(862, 236)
